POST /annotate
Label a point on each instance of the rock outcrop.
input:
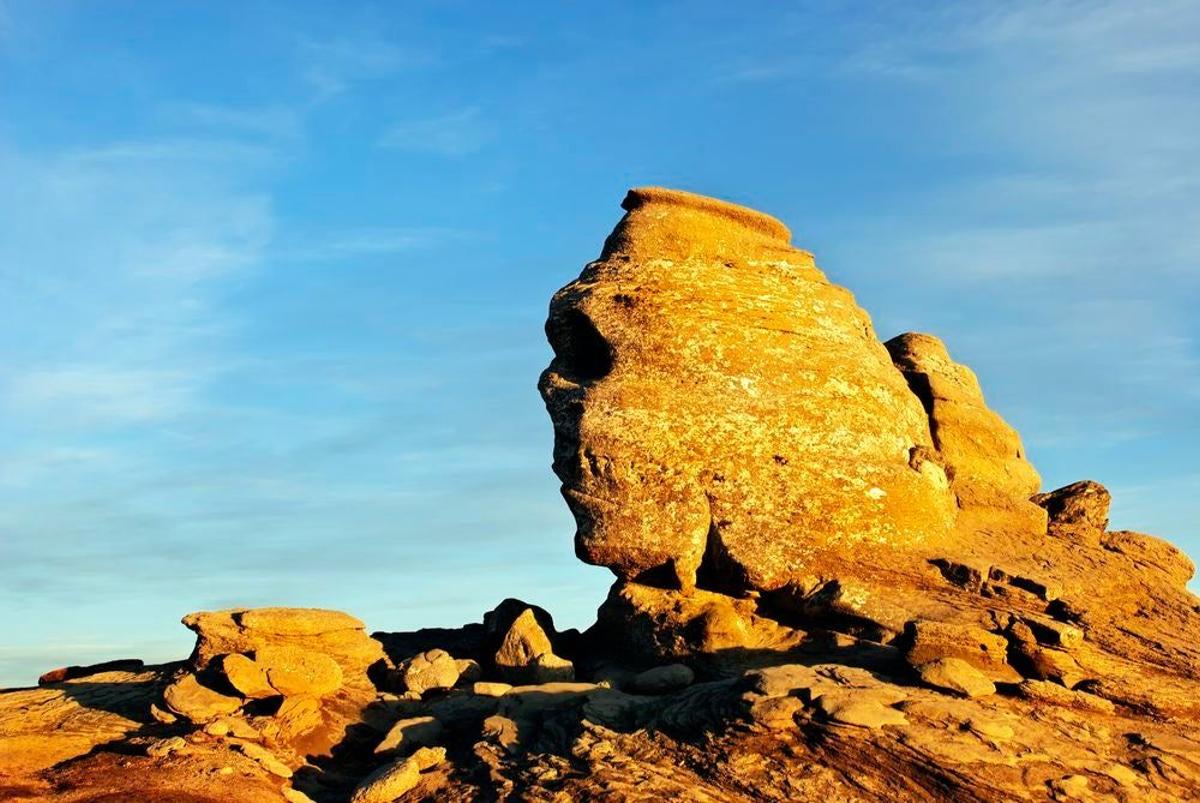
(1077, 512)
(835, 581)
(983, 456)
(723, 414)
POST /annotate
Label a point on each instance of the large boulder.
(1078, 512)
(725, 415)
(983, 456)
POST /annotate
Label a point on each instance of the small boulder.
(549, 668)
(525, 654)
(781, 680)
(856, 708)
(188, 698)
(927, 640)
(1053, 633)
(391, 781)
(957, 676)
(435, 669)
(488, 689)
(775, 713)
(1078, 512)
(161, 748)
(409, 734)
(295, 671)
(232, 727)
(503, 731)
(663, 679)
(247, 676)
(469, 670)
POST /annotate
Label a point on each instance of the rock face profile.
(836, 578)
(721, 408)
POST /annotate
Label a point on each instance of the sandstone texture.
(982, 455)
(836, 579)
(723, 413)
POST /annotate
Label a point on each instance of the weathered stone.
(297, 717)
(1070, 787)
(723, 413)
(294, 671)
(648, 625)
(391, 781)
(469, 670)
(991, 729)
(1046, 663)
(161, 715)
(550, 668)
(503, 731)
(234, 727)
(1053, 633)
(247, 676)
(859, 708)
(268, 760)
(409, 734)
(1078, 512)
(983, 456)
(781, 680)
(435, 669)
(247, 630)
(663, 679)
(1045, 691)
(525, 654)
(188, 698)
(498, 621)
(957, 676)
(926, 641)
(161, 748)
(491, 689)
(1149, 552)
(775, 713)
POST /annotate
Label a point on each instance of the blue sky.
(273, 275)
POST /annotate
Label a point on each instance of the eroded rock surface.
(983, 455)
(725, 414)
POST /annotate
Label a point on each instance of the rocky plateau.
(837, 579)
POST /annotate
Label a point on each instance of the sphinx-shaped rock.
(983, 456)
(723, 412)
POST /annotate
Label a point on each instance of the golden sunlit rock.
(836, 580)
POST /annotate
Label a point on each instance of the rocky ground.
(836, 580)
(692, 694)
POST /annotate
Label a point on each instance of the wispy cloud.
(273, 122)
(456, 133)
(376, 241)
(333, 65)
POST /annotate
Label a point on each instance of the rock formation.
(723, 413)
(836, 579)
